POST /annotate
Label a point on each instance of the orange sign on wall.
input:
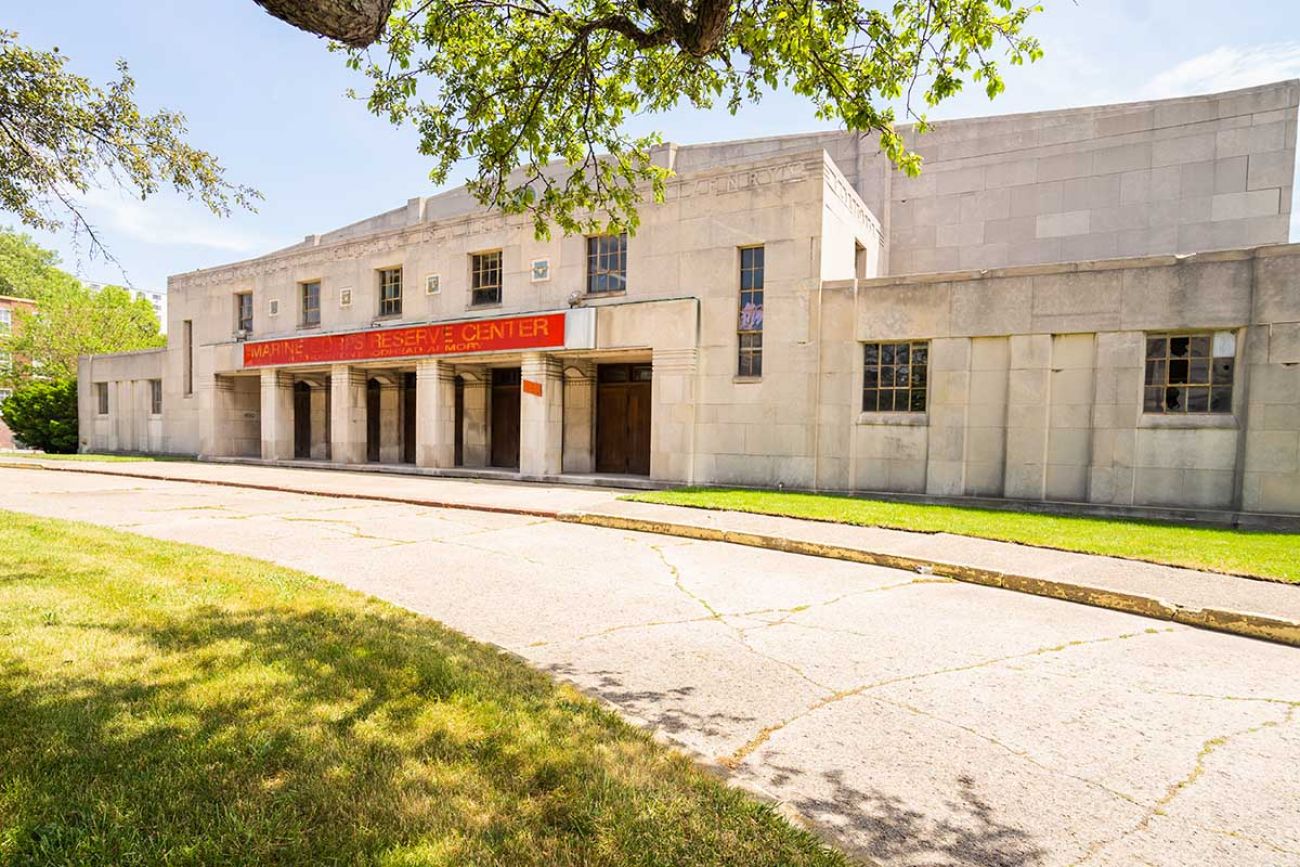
(532, 386)
(545, 331)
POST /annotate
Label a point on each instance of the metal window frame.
(606, 259)
(1165, 384)
(390, 301)
(303, 287)
(482, 291)
(909, 389)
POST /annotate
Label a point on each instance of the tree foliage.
(71, 320)
(43, 415)
(26, 268)
(60, 135)
(517, 84)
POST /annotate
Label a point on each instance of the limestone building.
(1093, 305)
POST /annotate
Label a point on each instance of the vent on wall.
(345, 297)
(273, 307)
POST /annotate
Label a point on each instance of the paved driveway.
(924, 721)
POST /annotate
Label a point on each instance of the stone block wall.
(1051, 408)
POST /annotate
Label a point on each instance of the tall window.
(101, 398)
(749, 330)
(390, 292)
(894, 376)
(1190, 372)
(606, 264)
(187, 342)
(485, 278)
(6, 318)
(155, 396)
(311, 303)
(244, 311)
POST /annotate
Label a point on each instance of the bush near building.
(43, 415)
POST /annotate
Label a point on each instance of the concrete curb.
(1248, 624)
(1244, 623)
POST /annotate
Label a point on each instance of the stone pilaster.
(347, 414)
(476, 409)
(277, 416)
(541, 416)
(579, 417)
(435, 413)
(215, 396)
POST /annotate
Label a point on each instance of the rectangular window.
(5, 394)
(894, 376)
(606, 264)
(390, 291)
(187, 343)
(101, 398)
(311, 303)
(1190, 373)
(6, 318)
(749, 330)
(244, 312)
(485, 278)
(155, 396)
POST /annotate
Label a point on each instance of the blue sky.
(269, 101)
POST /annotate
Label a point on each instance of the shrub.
(43, 415)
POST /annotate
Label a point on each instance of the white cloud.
(168, 221)
(1227, 67)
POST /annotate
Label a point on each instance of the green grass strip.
(1274, 556)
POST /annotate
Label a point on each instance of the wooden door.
(408, 418)
(505, 418)
(372, 420)
(458, 458)
(301, 420)
(623, 419)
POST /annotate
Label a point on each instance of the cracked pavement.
(916, 719)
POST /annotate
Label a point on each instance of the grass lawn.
(165, 704)
(1274, 556)
(42, 456)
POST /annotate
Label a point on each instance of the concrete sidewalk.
(1255, 608)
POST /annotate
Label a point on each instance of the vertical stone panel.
(949, 399)
(435, 413)
(986, 418)
(541, 416)
(1069, 440)
(1028, 396)
(579, 417)
(672, 413)
(277, 416)
(347, 414)
(476, 416)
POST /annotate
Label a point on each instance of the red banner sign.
(479, 335)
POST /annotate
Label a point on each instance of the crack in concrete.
(740, 754)
(356, 531)
(1020, 754)
(1208, 748)
(680, 584)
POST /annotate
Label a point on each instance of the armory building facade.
(1093, 305)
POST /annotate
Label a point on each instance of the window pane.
(918, 400)
(1174, 401)
(1200, 345)
(1223, 371)
(870, 400)
(1152, 401)
(1157, 347)
(920, 353)
(1198, 400)
(1178, 371)
(872, 353)
(1179, 347)
(1199, 370)
(1221, 400)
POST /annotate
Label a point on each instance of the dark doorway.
(408, 418)
(301, 421)
(459, 457)
(505, 417)
(623, 419)
(372, 420)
